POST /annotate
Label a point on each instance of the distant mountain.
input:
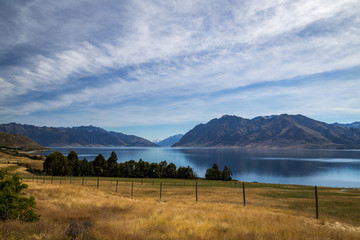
(282, 131)
(167, 142)
(9, 140)
(89, 136)
(352, 125)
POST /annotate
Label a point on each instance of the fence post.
(244, 194)
(98, 182)
(132, 189)
(160, 190)
(141, 181)
(83, 181)
(117, 183)
(196, 187)
(316, 202)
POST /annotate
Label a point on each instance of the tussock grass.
(6, 159)
(110, 215)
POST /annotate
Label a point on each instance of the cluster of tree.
(12, 205)
(215, 173)
(57, 164)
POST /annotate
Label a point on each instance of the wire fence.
(319, 202)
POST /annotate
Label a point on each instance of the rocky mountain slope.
(282, 131)
(89, 136)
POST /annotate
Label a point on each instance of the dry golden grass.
(115, 216)
(6, 158)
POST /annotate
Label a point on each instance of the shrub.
(80, 230)
(12, 206)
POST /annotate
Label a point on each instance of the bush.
(80, 230)
(12, 206)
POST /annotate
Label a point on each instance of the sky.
(158, 68)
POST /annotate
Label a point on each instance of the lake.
(331, 168)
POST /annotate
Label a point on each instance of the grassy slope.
(17, 141)
(11, 162)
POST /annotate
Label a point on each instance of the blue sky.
(157, 68)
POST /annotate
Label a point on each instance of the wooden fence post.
(117, 183)
(98, 180)
(160, 190)
(132, 189)
(316, 202)
(196, 187)
(244, 194)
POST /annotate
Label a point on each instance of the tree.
(112, 165)
(86, 168)
(163, 166)
(74, 163)
(12, 206)
(142, 167)
(214, 173)
(56, 164)
(99, 165)
(154, 170)
(227, 173)
(186, 172)
(171, 171)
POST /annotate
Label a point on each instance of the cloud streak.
(163, 59)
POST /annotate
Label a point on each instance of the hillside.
(282, 131)
(76, 136)
(9, 140)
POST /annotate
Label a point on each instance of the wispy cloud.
(176, 61)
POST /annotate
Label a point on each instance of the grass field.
(132, 209)
(106, 214)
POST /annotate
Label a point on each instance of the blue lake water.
(332, 168)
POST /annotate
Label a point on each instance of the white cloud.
(168, 52)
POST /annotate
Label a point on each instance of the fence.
(333, 203)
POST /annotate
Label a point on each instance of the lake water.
(332, 168)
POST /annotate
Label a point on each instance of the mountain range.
(351, 125)
(84, 136)
(279, 131)
(167, 142)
